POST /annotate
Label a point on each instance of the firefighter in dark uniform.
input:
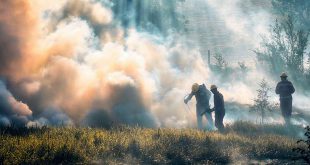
(285, 89)
(219, 108)
(202, 95)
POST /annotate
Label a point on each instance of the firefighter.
(202, 95)
(285, 89)
(219, 108)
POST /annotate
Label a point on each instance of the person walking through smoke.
(219, 108)
(202, 95)
(285, 89)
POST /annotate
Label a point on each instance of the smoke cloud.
(11, 109)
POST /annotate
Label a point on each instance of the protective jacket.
(285, 89)
(202, 106)
(219, 102)
(219, 109)
(202, 96)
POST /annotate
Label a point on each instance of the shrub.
(304, 147)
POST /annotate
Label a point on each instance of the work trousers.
(219, 116)
(199, 110)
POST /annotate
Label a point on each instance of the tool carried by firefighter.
(209, 110)
(187, 106)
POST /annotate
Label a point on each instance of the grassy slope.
(242, 142)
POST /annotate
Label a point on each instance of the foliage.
(148, 15)
(128, 145)
(261, 102)
(286, 49)
(288, 46)
(304, 149)
(220, 63)
(221, 67)
(297, 9)
(226, 72)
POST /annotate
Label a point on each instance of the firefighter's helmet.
(213, 87)
(195, 87)
(283, 75)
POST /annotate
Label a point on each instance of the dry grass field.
(242, 142)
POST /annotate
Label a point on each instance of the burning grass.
(243, 142)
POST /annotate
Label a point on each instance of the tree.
(296, 43)
(299, 9)
(261, 102)
(220, 63)
(285, 50)
(221, 68)
(288, 45)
